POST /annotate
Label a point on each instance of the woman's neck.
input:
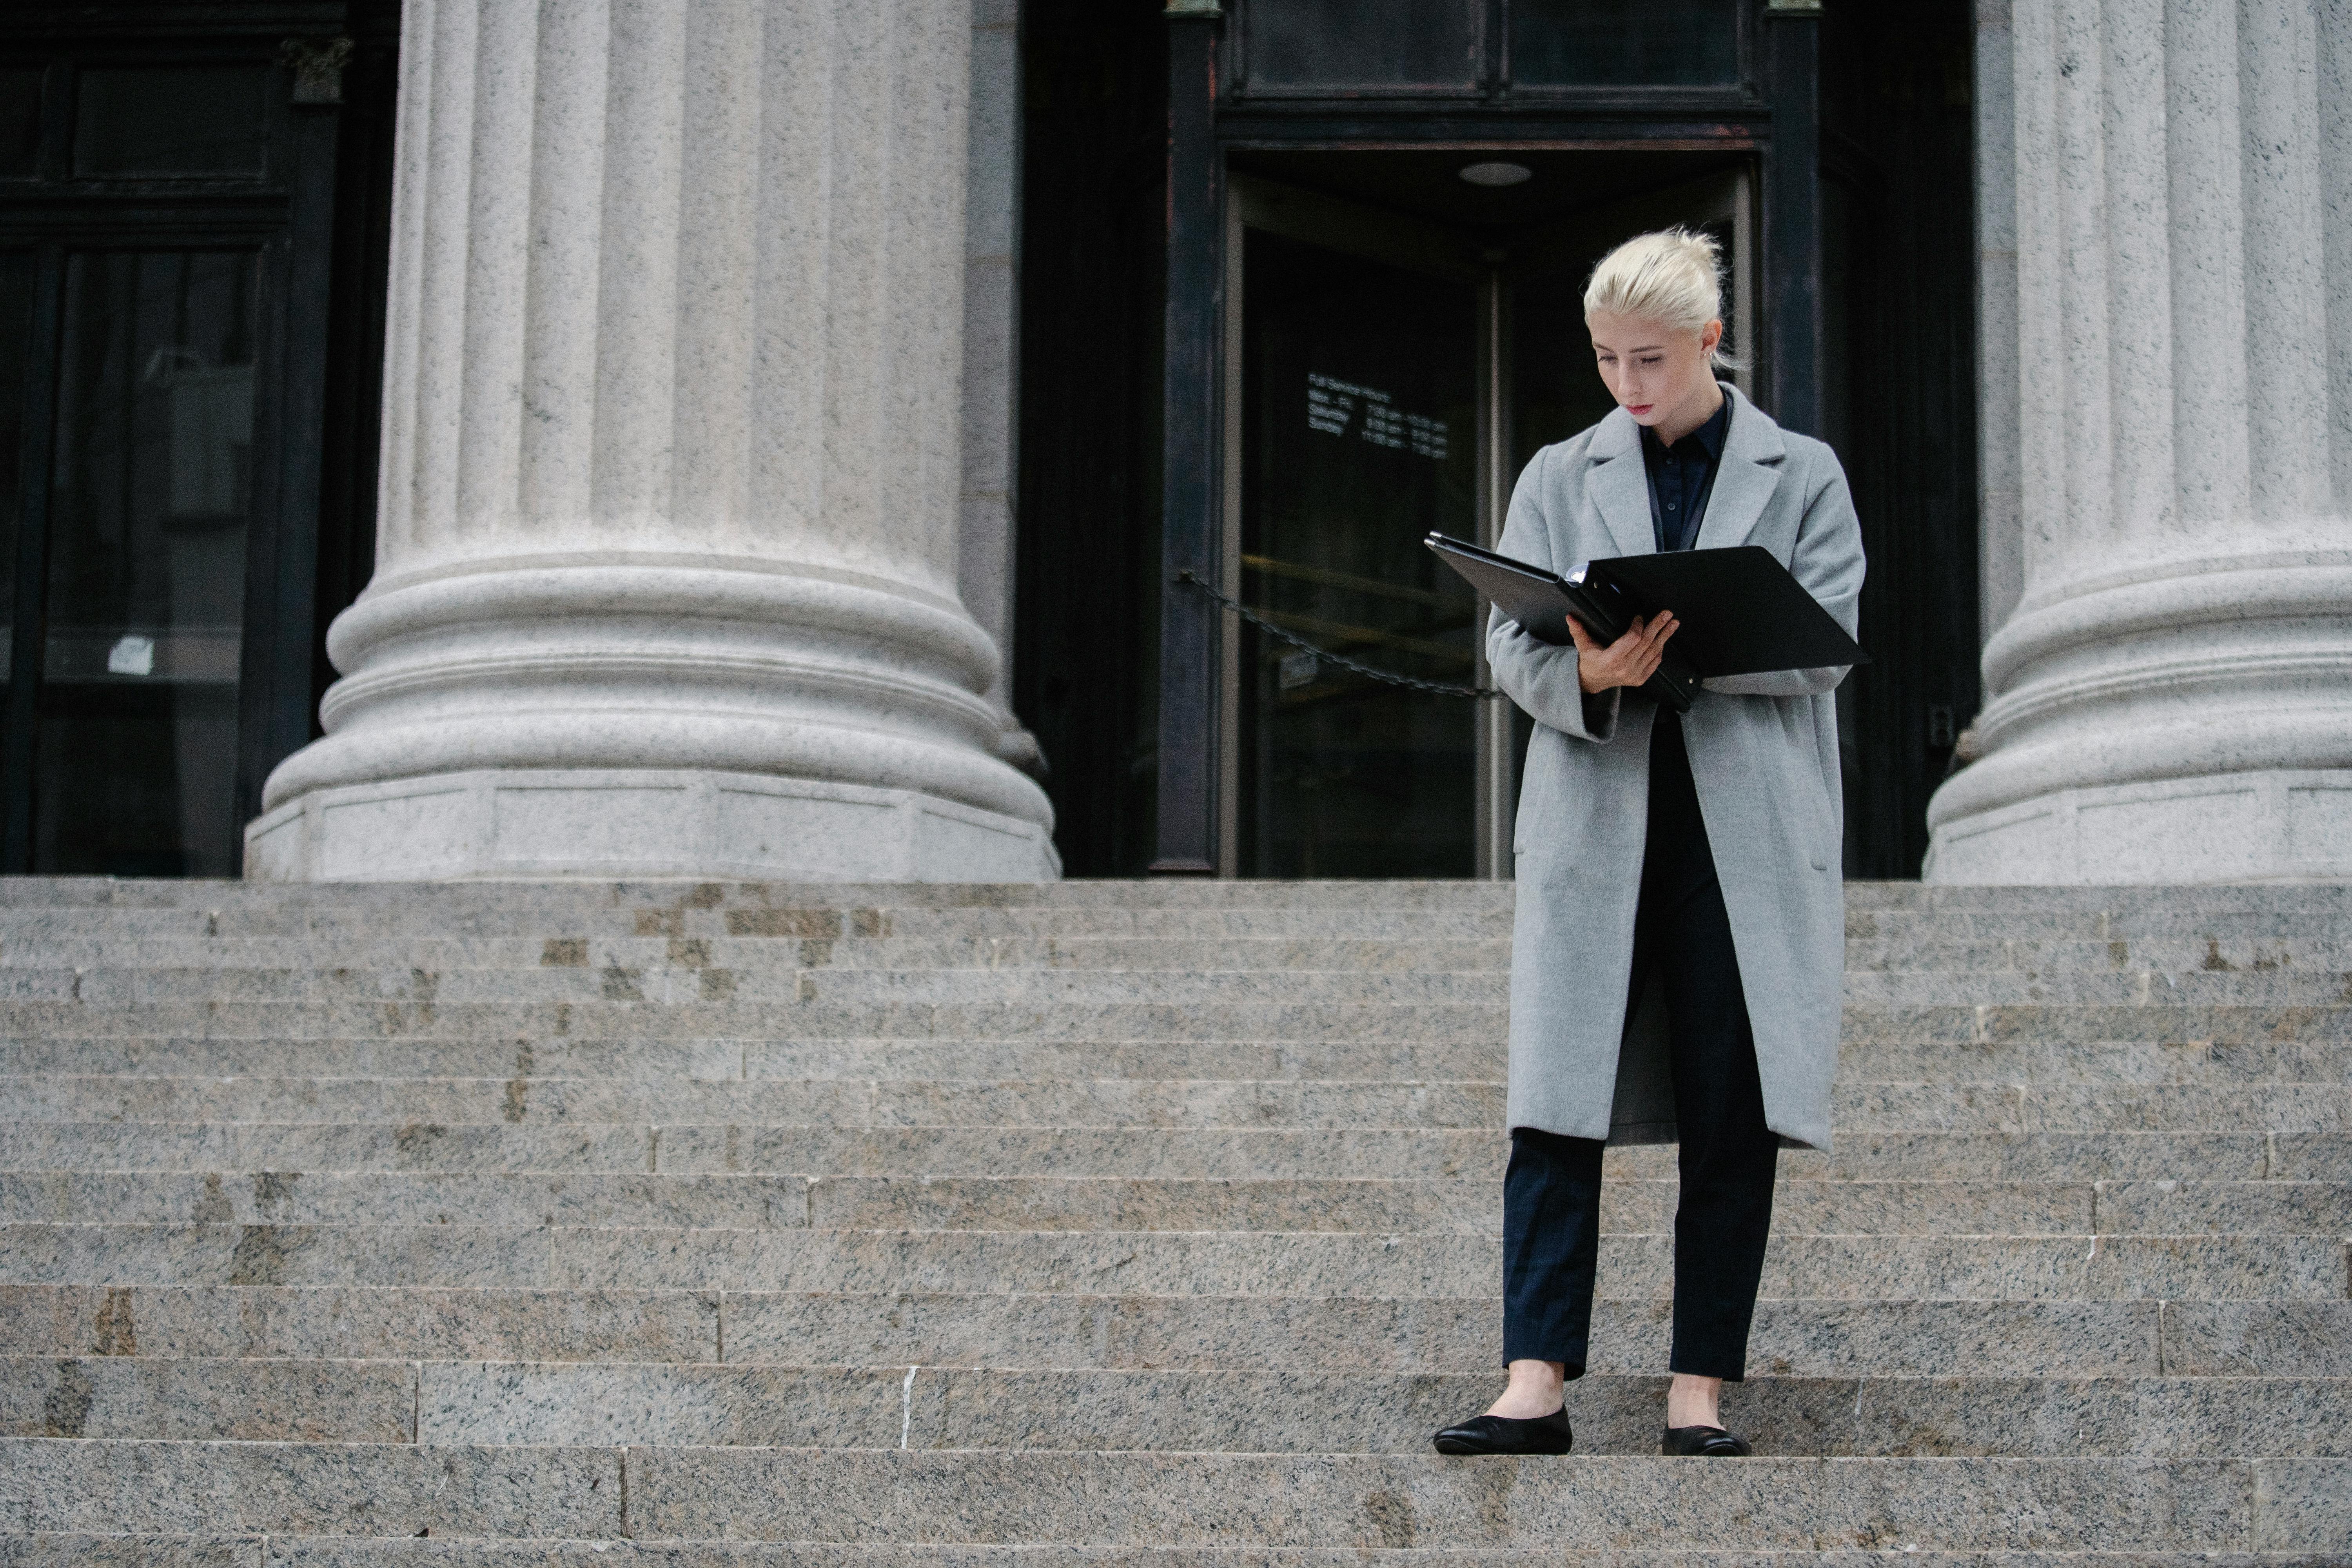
(1694, 411)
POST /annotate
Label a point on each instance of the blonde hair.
(1674, 277)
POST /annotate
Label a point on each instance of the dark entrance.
(1394, 370)
(190, 282)
(1173, 420)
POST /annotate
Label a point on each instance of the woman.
(1679, 950)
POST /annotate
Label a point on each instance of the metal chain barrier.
(1390, 678)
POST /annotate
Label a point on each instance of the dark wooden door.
(169, 235)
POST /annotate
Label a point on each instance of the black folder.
(1741, 613)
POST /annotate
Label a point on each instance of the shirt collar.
(1710, 436)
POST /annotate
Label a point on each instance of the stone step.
(1451, 1207)
(2161, 921)
(1289, 1412)
(2055, 1267)
(867, 1496)
(1924, 896)
(1407, 951)
(1930, 950)
(1332, 923)
(1337, 921)
(788, 988)
(1395, 1061)
(1293, 1412)
(1132, 1153)
(53, 1550)
(464, 908)
(1920, 999)
(455, 897)
(423, 1322)
(190, 1399)
(1114, 1102)
(1367, 912)
(1801, 1337)
(2253, 930)
(1272, 1020)
(1407, 948)
(454, 905)
(421, 1017)
(837, 1101)
(105, 972)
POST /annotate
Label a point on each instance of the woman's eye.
(1652, 359)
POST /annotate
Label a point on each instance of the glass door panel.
(1358, 436)
(19, 272)
(151, 492)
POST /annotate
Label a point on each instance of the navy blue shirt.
(1681, 477)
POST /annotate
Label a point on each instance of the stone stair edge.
(114, 1551)
(2138, 1337)
(774, 1401)
(1992, 1153)
(1217, 1263)
(1130, 1497)
(13, 888)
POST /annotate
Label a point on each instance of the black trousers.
(1552, 1192)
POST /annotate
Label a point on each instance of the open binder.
(1741, 613)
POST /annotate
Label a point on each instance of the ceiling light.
(1498, 175)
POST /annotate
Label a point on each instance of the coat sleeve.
(1827, 560)
(1541, 676)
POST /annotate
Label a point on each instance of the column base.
(604, 823)
(2282, 826)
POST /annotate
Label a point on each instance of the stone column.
(667, 576)
(992, 333)
(2167, 428)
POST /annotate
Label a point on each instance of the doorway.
(192, 246)
(1389, 375)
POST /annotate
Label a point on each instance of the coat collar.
(1744, 479)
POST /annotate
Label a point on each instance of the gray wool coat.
(1764, 753)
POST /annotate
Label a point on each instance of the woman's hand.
(1629, 661)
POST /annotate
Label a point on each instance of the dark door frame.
(1774, 113)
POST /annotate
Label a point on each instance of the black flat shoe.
(1712, 1442)
(1502, 1434)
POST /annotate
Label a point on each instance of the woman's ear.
(1710, 337)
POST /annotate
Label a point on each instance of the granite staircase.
(1141, 1223)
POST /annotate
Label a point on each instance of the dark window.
(175, 121)
(1624, 43)
(20, 124)
(146, 583)
(1346, 43)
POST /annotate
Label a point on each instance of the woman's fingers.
(1629, 660)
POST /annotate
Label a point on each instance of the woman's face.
(1653, 370)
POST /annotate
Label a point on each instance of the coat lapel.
(1744, 480)
(1619, 484)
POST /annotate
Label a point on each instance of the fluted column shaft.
(2169, 355)
(666, 575)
